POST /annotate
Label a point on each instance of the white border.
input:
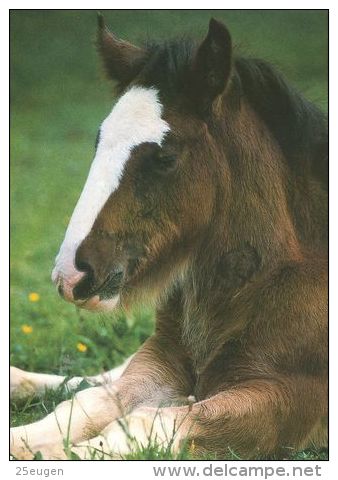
(143, 469)
(171, 5)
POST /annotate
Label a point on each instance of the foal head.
(201, 155)
(151, 187)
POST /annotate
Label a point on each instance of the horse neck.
(251, 227)
(252, 198)
(249, 233)
(252, 231)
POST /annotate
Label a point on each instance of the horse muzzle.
(80, 283)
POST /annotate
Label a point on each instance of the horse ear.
(212, 63)
(122, 60)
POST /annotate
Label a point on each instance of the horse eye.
(167, 162)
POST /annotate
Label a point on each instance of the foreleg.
(259, 418)
(24, 384)
(153, 377)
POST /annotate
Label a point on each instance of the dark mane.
(298, 126)
(168, 65)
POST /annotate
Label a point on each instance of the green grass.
(59, 98)
(33, 409)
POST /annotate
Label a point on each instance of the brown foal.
(208, 197)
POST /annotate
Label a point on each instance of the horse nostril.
(84, 287)
(83, 266)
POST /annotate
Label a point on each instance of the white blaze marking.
(135, 119)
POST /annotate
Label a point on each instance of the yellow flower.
(81, 347)
(34, 297)
(26, 329)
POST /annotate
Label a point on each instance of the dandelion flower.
(26, 329)
(81, 347)
(34, 297)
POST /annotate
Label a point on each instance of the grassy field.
(59, 98)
